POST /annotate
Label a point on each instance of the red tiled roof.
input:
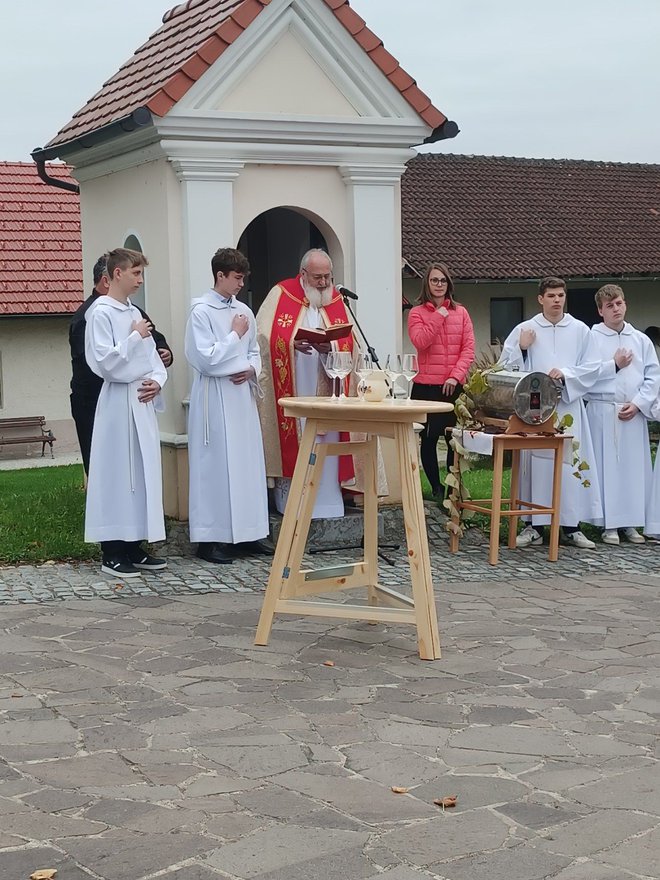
(191, 39)
(40, 246)
(496, 218)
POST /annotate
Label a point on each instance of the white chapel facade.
(292, 137)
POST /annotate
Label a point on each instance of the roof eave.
(44, 314)
(448, 129)
(138, 118)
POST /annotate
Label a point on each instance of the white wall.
(289, 79)
(36, 368)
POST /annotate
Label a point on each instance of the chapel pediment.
(286, 58)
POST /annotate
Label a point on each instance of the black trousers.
(434, 429)
(83, 416)
(119, 549)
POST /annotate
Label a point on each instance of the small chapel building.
(268, 125)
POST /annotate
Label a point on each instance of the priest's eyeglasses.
(319, 277)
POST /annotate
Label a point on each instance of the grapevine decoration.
(466, 419)
(579, 464)
(464, 407)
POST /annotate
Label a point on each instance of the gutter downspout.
(54, 181)
(138, 118)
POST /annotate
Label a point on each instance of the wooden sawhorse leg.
(514, 500)
(496, 504)
(293, 531)
(553, 551)
(371, 517)
(418, 547)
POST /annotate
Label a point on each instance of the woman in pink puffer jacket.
(441, 331)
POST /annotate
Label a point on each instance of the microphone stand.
(370, 349)
(374, 358)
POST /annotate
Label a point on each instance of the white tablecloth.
(481, 443)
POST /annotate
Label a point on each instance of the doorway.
(274, 243)
(581, 303)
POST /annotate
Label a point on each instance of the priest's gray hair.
(311, 253)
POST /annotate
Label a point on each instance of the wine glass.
(410, 368)
(329, 366)
(394, 370)
(363, 365)
(342, 366)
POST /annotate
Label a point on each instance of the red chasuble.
(287, 319)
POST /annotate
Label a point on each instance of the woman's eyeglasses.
(437, 281)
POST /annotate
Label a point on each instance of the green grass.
(42, 512)
(479, 482)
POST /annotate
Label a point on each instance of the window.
(505, 314)
(581, 304)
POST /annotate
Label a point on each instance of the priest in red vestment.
(292, 368)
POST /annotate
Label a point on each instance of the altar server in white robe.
(228, 494)
(561, 346)
(652, 524)
(619, 405)
(124, 493)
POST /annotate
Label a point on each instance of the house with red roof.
(502, 223)
(41, 284)
(272, 124)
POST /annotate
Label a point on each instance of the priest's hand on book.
(322, 335)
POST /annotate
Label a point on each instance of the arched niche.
(274, 243)
(139, 298)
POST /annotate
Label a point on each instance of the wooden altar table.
(288, 584)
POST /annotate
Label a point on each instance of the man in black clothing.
(86, 385)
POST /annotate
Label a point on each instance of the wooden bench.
(29, 429)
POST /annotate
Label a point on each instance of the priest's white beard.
(318, 298)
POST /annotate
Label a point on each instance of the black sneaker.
(119, 568)
(147, 562)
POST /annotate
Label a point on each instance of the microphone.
(346, 292)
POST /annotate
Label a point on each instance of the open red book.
(329, 334)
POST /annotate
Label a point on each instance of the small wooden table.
(494, 506)
(287, 583)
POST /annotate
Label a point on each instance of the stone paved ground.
(146, 737)
(39, 583)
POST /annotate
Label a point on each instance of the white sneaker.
(529, 537)
(611, 536)
(577, 539)
(632, 535)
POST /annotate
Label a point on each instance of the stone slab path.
(143, 736)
